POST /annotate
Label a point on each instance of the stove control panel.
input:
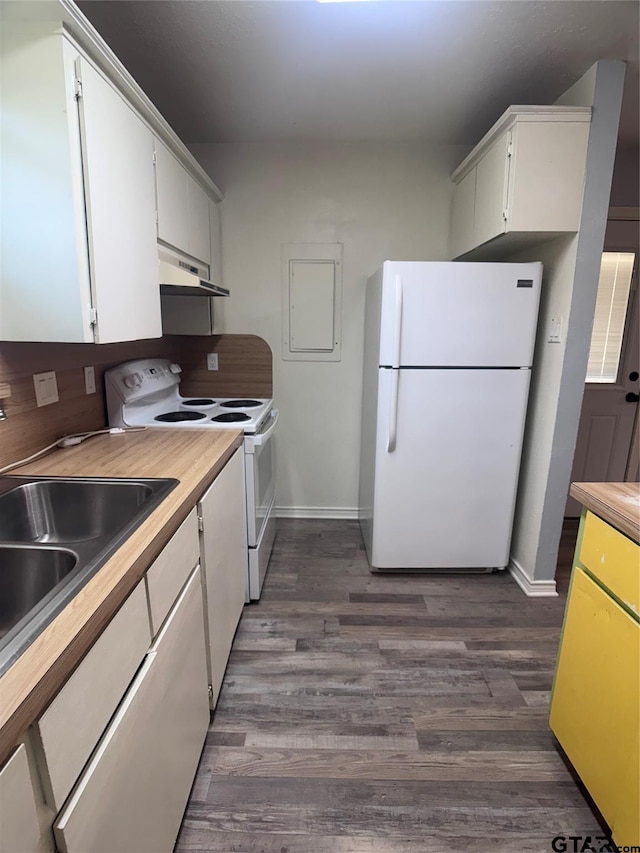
(134, 381)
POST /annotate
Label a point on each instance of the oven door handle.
(261, 438)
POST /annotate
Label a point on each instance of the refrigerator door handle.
(397, 326)
(393, 411)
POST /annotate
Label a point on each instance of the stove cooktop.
(146, 393)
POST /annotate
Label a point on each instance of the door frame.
(624, 214)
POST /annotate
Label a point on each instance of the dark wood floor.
(372, 714)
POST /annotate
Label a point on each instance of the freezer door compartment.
(458, 314)
(444, 498)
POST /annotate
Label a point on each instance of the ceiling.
(391, 70)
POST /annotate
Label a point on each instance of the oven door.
(260, 474)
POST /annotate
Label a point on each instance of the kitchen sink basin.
(55, 534)
(68, 510)
(27, 575)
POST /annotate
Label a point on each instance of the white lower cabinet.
(132, 795)
(66, 734)
(223, 551)
(20, 831)
(168, 574)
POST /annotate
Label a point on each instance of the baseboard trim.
(316, 512)
(533, 589)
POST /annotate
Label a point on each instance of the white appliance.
(145, 393)
(447, 364)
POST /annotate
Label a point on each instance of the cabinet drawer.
(132, 794)
(169, 573)
(613, 559)
(20, 830)
(594, 706)
(72, 725)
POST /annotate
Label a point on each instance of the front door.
(604, 448)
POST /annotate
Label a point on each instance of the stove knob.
(132, 380)
(175, 368)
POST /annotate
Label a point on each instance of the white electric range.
(146, 393)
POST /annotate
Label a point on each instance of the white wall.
(570, 284)
(381, 202)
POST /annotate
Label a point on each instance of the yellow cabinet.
(595, 705)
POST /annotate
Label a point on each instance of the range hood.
(180, 276)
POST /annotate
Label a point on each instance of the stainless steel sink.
(55, 534)
(67, 510)
(27, 575)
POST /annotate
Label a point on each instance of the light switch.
(555, 330)
(46, 388)
(89, 380)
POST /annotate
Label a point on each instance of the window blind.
(611, 311)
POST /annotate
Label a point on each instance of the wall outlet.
(90, 380)
(555, 330)
(46, 388)
(212, 361)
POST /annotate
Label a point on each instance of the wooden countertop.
(194, 457)
(616, 503)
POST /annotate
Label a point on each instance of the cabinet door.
(199, 231)
(547, 184)
(121, 210)
(133, 793)
(464, 197)
(224, 556)
(72, 725)
(168, 574)
(20, 831)
(45, 292)
(492, 177)
(173, 199)
(594, 706)
(216, 244)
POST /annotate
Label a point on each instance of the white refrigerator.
(447, 364)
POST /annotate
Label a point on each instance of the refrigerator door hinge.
(77, 87)
(200, 524)
(93, 317)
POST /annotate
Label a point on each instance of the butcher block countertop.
(616, 503)
(194, 457)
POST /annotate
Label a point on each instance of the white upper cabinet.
(183, 207)
(81, 204)
(78, 205)
(492, 176)
(215, 244)
(121, 212)
(199, 231)
(523, 182)
(173, 198)
(464, 199)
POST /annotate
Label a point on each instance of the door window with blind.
(614, 289)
